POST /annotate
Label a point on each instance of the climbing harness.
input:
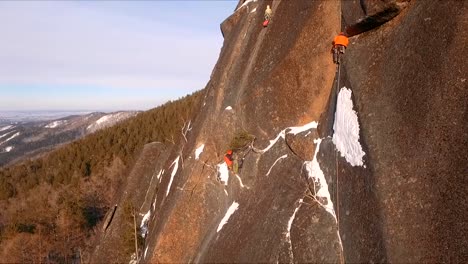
(337, 51)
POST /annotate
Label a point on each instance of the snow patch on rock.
(322, 195)
(300, 129)
(346, 129)
(291, 130)
(174, 171)
(278, 159)
(223, 173)
(240, 182)
(245, 3)
(144, 224)
(273, 142)
(234, 206)
(159, 175)
(229, 108)
(161, 172)
(288, 234)
(198, 151)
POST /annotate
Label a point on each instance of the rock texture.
(406, 69)
(408, 78)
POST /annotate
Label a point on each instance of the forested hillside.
(51, 206)
(27, 140)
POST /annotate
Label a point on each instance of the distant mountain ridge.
(23, 136)
(14, 117)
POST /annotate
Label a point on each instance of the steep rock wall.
(408, 78)
(265, 81)
(405, 204)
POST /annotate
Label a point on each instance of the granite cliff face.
(394, 191)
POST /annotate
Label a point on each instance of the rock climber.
(340, 43)
(268, 13)
(231, 161)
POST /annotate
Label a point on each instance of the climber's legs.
(335, 55)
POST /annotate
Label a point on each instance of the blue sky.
(106, 55)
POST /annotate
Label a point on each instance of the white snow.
(109, 120)
(228, 214)
(159, 175)
(56, 124)
(346, 129)
(240, 181)
(198, 151)
(273, 142)
(6, 134)
(226, 192)
(149, 188)
(228, 108)
(144, 223)
(288, 234)
(5, 128)
(255, 9)
(103, 119)
(8, 149)
(174, 171)
(278, 159)
(161, 172)
(339, 239)
(300, 129)
(313, 168)
(245, 3)
(10, 138)
(223, 173)
(146, 250)
(145, 218)
(291, 130)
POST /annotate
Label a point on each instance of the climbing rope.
(337, 189)
(336, 153)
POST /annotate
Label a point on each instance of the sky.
(106, 55)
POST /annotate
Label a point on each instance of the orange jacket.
(341, 40)
(228, 159)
